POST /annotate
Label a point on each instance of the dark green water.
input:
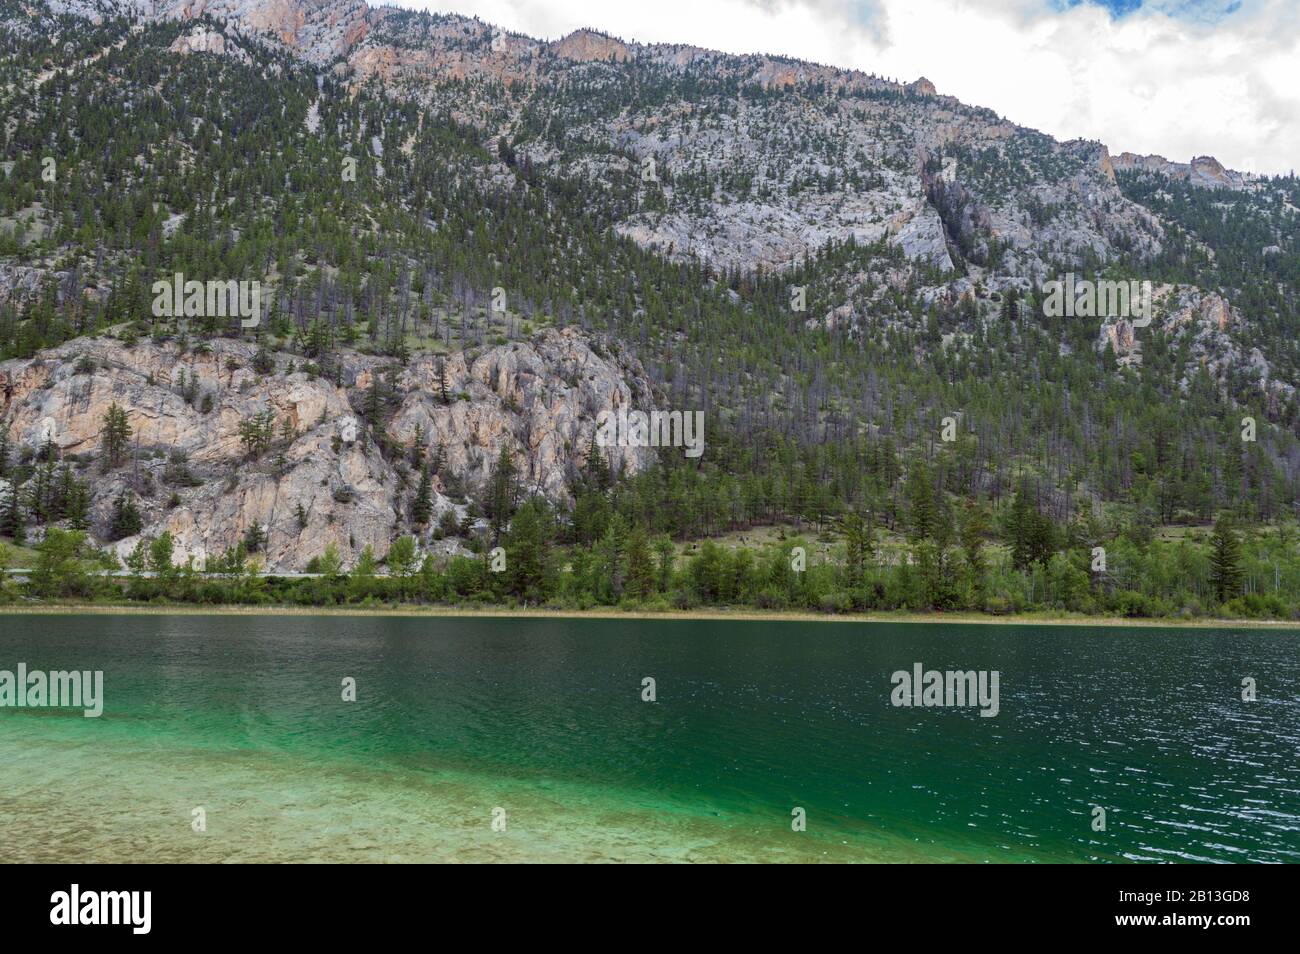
(454, 718)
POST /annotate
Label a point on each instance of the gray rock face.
(319, 31)
(763, 181)
(202, 40)
(738, 181)
(1204, 322)
(922, 239)
(1204, 171)
(19, 283)
(538, 400)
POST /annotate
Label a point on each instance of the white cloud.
(1179, 85)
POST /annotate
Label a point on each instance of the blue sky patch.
(1203, 10)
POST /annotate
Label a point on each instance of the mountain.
(830, 265)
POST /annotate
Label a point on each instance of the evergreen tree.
(639, 566)
(125, 520)
(611, 550)
(114, 436)
(77, 506)
(40, 493)
(1020, 527)
(443, 392)
(11, 517)
(528, 548)
(859, 546)
(257, 432)
(374, 403)
(598, 472)
(1225, 559)
(502, 493)
(921, 510)
(664, 554)
(973, 529)
(422, 509)
(254, 538)
(1042, 537)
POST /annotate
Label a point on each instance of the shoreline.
(739, 615)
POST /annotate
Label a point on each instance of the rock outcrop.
(1204, 171)
(587, 45)
(1204, 322)
(203, 40)
(323, 479)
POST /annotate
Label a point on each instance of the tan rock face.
(317, 30)
(587, 45)
(538, 400)
(1209, 170)
(203, 40)
(1205, 171)
(1107, 166)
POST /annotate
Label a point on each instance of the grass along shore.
(749, 614)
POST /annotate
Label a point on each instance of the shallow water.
(543, 719)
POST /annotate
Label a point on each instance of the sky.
(1179, 78)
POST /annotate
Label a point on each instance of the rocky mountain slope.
(194, 476)
(810, 255)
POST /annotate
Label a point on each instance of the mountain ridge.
(826, 264)
(325, 31)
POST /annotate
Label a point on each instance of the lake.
(527, 739)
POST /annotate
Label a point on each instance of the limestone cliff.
(537, 399)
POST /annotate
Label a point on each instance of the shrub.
(836, 601)
(683, 599)
(998, 605)
(771, 598)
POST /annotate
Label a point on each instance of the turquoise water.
(543, 719)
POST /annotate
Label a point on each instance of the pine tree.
(859, 546)
(374, 404)
(639, 564)
(443, 392)
(77, 506)
(11, 518)
(528, 547)
(65, 487)
(922, 513)
(973, 529)
(1042, 537)
(114, 436)
(611, 548)
(1225, 559)
(1020, 529)
(256, 433)
(598, 473)
(665, 552)
(40, 493)
(254, 538)
(125, 520)
(422, 509)
(502, 493)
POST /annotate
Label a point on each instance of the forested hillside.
(470, 243)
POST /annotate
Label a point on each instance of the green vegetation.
(853, 567)
(210, 167)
